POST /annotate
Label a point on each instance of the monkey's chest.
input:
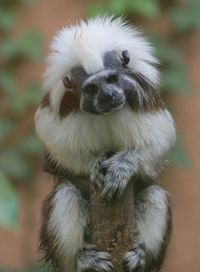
(118, 130)
(85, 137)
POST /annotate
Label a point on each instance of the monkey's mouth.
(110, 106)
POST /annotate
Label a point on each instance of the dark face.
(106, 90)
(101, 92)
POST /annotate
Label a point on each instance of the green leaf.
(145, 8)
(17, 105)
(175, 79)
(8, 48)
(32, 94)
(29, 97)
(174, 76)
(2, 269)
(27, 2)
(165, 53)
(30, 44)
(7, 82)
(7, 19)
(14, 165)
(117, 6)
(31, 146)
(178, 155)
(186, 18)
(94, 9)
(9, 204)
(6, 126)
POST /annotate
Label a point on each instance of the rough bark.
(112, 224)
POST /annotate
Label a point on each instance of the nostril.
(112, 79)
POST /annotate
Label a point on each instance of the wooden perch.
(112, 224)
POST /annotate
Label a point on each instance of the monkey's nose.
(106, 97)
(117, 98)
(112, 99)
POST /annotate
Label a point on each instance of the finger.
(108, 191)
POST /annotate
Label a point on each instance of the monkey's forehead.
(85, 44)
(111, 61)
(111, 64)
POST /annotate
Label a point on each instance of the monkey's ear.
(68, 83)
(125, 57)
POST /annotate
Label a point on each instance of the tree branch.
(112, 224)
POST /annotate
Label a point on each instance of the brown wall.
(184, 254)
(184, 184)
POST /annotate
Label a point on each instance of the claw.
(134, 260)
(92, 259)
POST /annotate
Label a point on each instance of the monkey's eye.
(112, 79)
(91, 89)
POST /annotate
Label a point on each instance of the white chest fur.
(76, 139)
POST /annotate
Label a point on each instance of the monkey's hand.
(113, 174)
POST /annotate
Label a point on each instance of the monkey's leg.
(152, 230)
(64, 220)
(65, 217)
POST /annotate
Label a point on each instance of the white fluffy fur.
(151, 218)
(67, 223)
(86, 43)
(74, 140)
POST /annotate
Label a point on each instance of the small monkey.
(102, 119)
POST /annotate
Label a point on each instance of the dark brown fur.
(70, 102)
(152, 102)
(45, 101)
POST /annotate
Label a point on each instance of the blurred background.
(26, 28)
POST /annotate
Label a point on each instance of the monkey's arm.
(112, 174)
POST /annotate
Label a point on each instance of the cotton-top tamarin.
(101, 119)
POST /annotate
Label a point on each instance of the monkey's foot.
(134, 260)
(92, 259)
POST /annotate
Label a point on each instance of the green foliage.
(9, 204)
(174, 76)
(37, 267)
(144, 8)
(20, 103)
(17, 99)
(178, 154)
(7, 19)
(6, 128)
(187, 17)
(28, 46)
(14, 164)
